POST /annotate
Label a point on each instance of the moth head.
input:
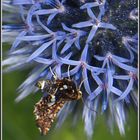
(79, 94)
(41, 84)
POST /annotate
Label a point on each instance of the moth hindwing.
(46, 114)
(59, 92)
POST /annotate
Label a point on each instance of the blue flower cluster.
(89, 40)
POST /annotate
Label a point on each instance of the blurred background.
(19, 121)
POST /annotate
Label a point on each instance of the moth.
(59, 91)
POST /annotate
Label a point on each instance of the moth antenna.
(54, 74)
(55, 90)
(69, 71)
(82, 83)
(82, 97)
(84, 102)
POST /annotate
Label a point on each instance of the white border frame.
(138, 72)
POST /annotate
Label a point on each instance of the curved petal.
(86, 82)
(121, 77)
(50, 18)
(97, 79)
(77, 44)
(17, 42)
(84, 53)
(43, 60)
(40, 50)
(69, 62)
(71, 72)
(33, 38)
(89, 5)
(20, 2)
(116, 91)
(95, 93)
(127, 90)
(45, 12)
(124, 66)
(91, 14)
(83, 24)
(92, 33)
(107, 26)
(67, 46)
(67, 28)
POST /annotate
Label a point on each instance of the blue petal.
(32, 38)
(58, 71)
(95, 93)
(120, 117)
(104, 102)
(84, 53)
(43, 26)
(54, 51)
(95, 70)
(30, 16)
(21, 51)
(92, 33)
(77, 44)
(67, 46)
(121, 59)
(91, 14)
(89, 5)
(43, 60)
(107, 26)
(134, 49)
(83, 24)
(102, 12)
(33, 77)
(121, 77)
(25, 93)
(96, 78)
(131, 54)
(127, 90)
(109, 80)
(68, 55)
(21, 10)
(124, 66)
(72, 72)
(53, 3)
(21, 2)
(103, 66)
(86, 83)
(40, 50)
(45, 12)
(17, 42)
(50, 18)
(116, 91)
(67, 28)
(59, 43)
(69, 62)
(99, 58)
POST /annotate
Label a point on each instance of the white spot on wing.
(65, 86)
(43, 84)
(51, 103)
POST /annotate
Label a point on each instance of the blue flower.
(72, 37)
(58, 7)
(90, 42)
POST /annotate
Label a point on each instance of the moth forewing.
(46, 114)
(59, 92)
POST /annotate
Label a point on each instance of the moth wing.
(70, 95)
(45, 114)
